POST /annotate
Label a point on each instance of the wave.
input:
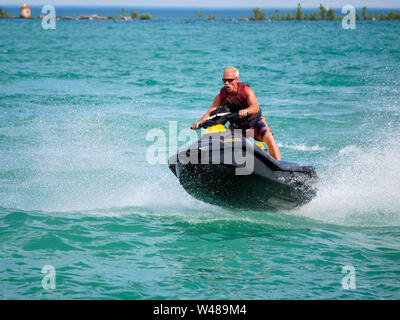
(301, 147)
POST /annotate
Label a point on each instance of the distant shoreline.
(190, 8)
(106, 12)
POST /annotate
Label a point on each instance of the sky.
(213, 3)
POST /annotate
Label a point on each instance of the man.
(249, 110)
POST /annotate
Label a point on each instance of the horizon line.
(192, 7)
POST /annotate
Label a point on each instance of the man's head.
(230, 78)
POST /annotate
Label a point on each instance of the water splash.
(360, 186)
(301, 147)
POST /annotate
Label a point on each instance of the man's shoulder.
(248, 90)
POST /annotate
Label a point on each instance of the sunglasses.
(229, 80)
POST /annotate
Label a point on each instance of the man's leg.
(262, 132)
(272, 146)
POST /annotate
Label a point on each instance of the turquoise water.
(77, 193)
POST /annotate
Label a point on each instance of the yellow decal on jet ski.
(214, 129)
(261, 145)
(230, 140)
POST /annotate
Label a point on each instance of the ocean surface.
(78, 105)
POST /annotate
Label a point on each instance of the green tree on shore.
(364, 13)
(259, 15)
(299, 12)
(145, 16)
(330, 14)
(322, 12)
(4, 14)
(276, 15)
(393, 16)
(199, 15)
(288, 16)
(313, 16)
(134, 14)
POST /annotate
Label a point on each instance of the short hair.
(232, 69)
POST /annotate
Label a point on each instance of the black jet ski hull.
(271, 184)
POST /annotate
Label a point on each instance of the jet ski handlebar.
(219, 116)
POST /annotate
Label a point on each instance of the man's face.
(230, 80)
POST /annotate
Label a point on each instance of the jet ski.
(225, 168)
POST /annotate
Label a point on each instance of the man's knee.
(269, 136)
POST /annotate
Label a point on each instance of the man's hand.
(243, 113)
(195, 126)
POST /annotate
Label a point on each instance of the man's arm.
(253, 107)
(214, 105)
